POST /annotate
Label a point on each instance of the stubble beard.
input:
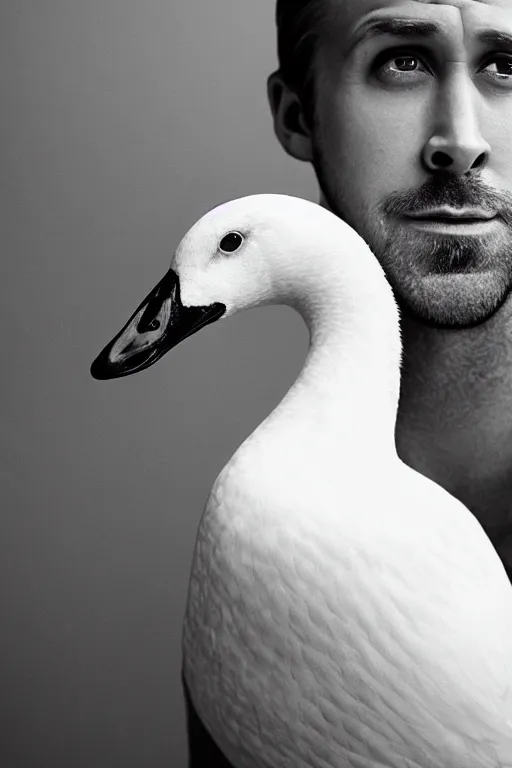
(440, 280)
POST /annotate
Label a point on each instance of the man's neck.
(455, 416)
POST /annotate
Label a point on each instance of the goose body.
(343, 610)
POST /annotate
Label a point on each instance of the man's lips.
(455, 222)
(453, 215)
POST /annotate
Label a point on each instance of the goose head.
(255, 250)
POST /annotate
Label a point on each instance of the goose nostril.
(441, 159)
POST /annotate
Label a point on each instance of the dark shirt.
(202, 750)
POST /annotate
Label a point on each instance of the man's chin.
(447, 282)
(452, 301)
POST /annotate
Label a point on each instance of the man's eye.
(405, 63)
(400, 66)
(500, 67)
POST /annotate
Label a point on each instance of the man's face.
(413, 128)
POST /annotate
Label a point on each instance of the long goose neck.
(348, 388)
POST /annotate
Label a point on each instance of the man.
(404, 108)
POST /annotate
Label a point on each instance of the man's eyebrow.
(495, 38)
(420, 28)
(396, 27)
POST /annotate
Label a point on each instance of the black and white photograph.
(257, 435)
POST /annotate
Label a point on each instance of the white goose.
(343, 610)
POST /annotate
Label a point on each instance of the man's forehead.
(350, 12)
(463, 5)
(458, 3)
(358, 8)
(366, 5)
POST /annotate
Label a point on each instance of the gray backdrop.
(122, 122)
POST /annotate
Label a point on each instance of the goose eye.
(231, 242)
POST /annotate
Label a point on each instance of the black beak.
(158, 324)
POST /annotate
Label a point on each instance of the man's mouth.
(445, 213)
(453, 220)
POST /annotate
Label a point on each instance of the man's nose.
(456, 144)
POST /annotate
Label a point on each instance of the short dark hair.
(298, 25)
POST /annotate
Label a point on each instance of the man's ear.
(289, 122)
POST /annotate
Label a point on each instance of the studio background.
(123, 121)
